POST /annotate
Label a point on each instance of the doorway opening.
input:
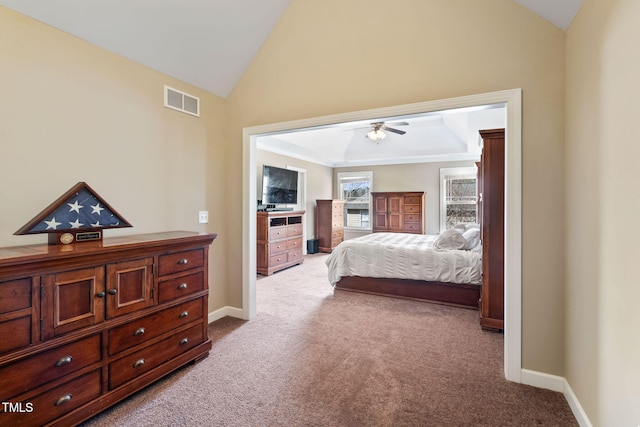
(512, 99)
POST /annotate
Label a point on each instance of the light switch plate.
(203, 217)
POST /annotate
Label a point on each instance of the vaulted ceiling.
(206, 43)
(210, 43)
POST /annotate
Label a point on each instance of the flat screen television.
(279, 186)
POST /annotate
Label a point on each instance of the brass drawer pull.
(183, 314)
(183, 341)
(138, 363)
(63, 399)
(64, 361)
(113, 291)
(182, 286)
(100, 294)
(183, 261)
(139, 331)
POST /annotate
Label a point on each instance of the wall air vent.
(178, 100)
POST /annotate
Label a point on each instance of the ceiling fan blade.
(398, 131)
(397, 124)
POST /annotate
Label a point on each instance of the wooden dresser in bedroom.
(398, 212)
(83, 326)
(329, 224)
(491, 212)
(279, 240)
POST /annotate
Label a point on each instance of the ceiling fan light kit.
(376, 134)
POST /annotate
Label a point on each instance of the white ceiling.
(430, 137)
(559, 12)
(206, 43)
(210, 43)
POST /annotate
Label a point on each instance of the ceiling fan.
(376, 133)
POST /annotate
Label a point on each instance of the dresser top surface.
(12, 254)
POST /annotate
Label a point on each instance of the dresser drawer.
(294, 244)
(294, 255)
(412, 200)
(15, 295)
(277, 233)
(55, 402)
(412, 218)
(294, 230)
(335, 242)
(278, 259)
(337, 234)
(411, 226)
(141, 330)
(409, 209)
(180, 261)
(182, 286)
(15, 333)
(278, 247)
(135, 364)
(34, 371)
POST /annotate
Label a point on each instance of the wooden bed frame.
(460, 295)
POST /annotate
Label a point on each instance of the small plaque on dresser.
(67, 238)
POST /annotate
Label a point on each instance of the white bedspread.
(403, 256)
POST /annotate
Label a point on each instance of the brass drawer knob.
(183, 314)
(138, 363)
(63, 399)
(64, 361)
(113, 291)
(183, 261)
(183, 341)
(139, 331)
(182, 286)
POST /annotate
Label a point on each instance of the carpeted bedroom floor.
(312, 357)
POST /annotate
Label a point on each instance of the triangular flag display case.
(78, 216)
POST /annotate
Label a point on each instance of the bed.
(445, 268)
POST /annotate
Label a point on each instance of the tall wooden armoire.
(491, 217)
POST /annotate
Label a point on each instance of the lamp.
(376, 134)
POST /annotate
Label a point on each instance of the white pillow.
(460, 228)
(472, 238)
(450, 239)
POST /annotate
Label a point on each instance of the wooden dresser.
(329, 224)
(491, 218)
(84, 326)
(398, 212)
(279, 240)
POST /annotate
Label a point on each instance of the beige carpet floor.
(315, 357)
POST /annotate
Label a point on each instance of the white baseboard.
(225, 311)
(559, 384)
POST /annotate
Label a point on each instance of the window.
(355, 189)
(458, 196)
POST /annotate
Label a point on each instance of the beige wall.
(72, 112)
(319, 182)
(603, 349)
(327, 57)
(412, 177)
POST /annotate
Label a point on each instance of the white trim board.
(559, 384)
(224, 311)
(513, 201)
